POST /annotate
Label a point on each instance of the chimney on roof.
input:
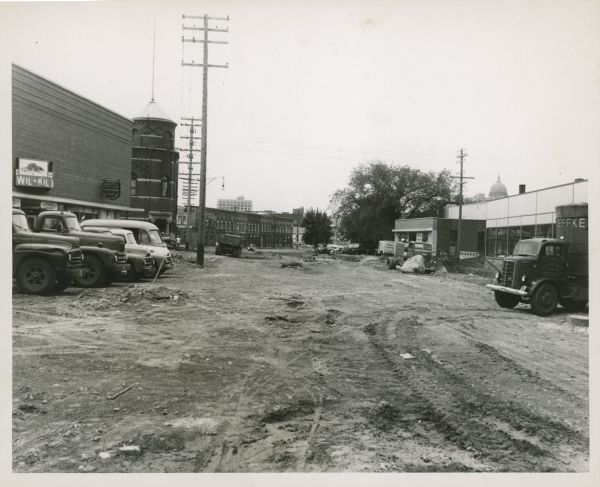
(521, 188)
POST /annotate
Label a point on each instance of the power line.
(461, 157)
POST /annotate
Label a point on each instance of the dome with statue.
(498, 190)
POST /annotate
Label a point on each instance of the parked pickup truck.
(140, 262)
(145, 234)
(405, 250)
(104, 257)
(545, 272)
(229, 244)
(42, 263)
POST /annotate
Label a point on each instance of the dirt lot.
(248, 366)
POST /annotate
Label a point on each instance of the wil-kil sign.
(33, 173)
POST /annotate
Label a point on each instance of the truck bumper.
(508, 290)
(119, 270)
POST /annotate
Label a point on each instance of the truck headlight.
(69, 257)
(116, 258)
(523, 278)
(497, 275)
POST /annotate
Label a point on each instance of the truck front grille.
(121, 258)
(508, 273)
(148, 261)
(75, 257)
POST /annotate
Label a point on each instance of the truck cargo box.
(572, 225)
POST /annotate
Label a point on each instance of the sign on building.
(111, 188)
(34, 173)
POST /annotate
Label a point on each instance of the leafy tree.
(380, 193)
(317, 227)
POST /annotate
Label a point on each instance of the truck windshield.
(72, 224)
(155, 237)
(20, 222)
(527, 248)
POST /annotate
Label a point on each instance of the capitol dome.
(498, 190)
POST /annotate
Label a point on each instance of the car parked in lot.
(42, 262)
(104, 257)
(139, 259)
(145, 234)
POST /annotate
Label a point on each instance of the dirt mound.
(98, 299)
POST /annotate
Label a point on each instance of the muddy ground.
(331, 366)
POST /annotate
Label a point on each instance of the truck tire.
(36, 276)
(544, 299)
(572, 305)
(506, 300)
(93, 273)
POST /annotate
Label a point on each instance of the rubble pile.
(136, 294)
(415, 265)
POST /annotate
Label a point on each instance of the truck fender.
(534, 285)
(55, 256)
(105, 255)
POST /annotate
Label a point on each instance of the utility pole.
(191, 123)
(201, 221)
(461, 157)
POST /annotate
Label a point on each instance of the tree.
(317, 227)
(380, 193)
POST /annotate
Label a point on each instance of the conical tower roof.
(154, 112)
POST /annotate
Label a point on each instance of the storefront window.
(514, 235)
(502, 242)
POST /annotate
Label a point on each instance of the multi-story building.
(260, 230)
(238, 204)
(68, 153)
(154, 168)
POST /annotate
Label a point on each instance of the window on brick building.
(133, 184)
(164, 185)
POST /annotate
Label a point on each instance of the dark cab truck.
(42, 263)
(229, 244)
(545, 272)
(104, 257)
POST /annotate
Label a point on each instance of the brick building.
(260, 230)
(238, 204)
(442, 234)
(154, 168)
(68, 153)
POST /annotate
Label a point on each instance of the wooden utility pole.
(191, 123)
(461, 157)
(201, 220)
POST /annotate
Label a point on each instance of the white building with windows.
(238, 204)
(524, 215)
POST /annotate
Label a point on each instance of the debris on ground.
(415, 264)
(130, 450)
(407, 356)
(369, 260)
(292, 265)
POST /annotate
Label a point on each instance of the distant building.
(238, 204)
(498, 190)
(259, 230)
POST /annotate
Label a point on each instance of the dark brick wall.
(469, 235)
(85, 142)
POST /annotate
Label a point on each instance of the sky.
(316, 88)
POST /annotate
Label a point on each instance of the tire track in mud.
(464, 416)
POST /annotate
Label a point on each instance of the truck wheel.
(572, 305)
(93, 273)
(36, 276)
(544, 299)
(506, 300)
